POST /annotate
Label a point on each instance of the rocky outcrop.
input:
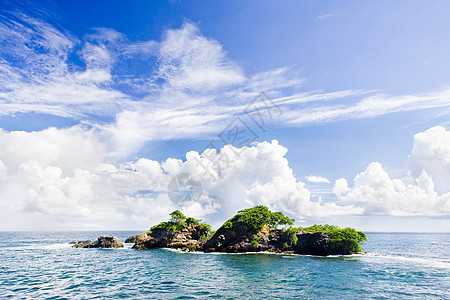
(313, 244)
(131, 239)
(104, 241)
(190, 238)
(81, 244)
(275, 240)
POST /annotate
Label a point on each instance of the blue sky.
(101, 104)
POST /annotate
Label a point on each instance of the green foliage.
(191, 220)
(177, 216)
(291, 233)
(204, 236)
(255, 244)
(254, 237)
(149, 233)
(255, 218)
(171, 226)
(179, 221)
(205, 226)
(227, 225)
(285, 245)
(347, 238)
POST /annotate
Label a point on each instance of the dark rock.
(275, 240)
(313, 244)
(241, 240)
(107, 241)
(82, 244)
(131, 239)
(104, 241)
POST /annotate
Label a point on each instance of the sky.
(113, 114)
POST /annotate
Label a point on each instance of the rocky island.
(250, 230)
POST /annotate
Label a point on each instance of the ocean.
(42, 265)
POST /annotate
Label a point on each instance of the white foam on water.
(410, 259)
(56, 246)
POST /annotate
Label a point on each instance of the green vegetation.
(177, 222)
(249, 221)
(177, 216)
(255, 244)
(346, 238)
(291, 234)
(254, 219)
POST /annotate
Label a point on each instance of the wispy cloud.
(188, 86)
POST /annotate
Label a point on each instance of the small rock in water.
(81, 244)
(104, 241)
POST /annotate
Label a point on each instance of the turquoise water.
(397, 266)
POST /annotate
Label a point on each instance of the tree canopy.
(177, 216)
(179, 221)
(256, 217)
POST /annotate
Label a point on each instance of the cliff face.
(190, 238)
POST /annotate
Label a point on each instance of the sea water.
(396, 266)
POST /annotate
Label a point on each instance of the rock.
(81, 244)
(131, 239)
(275, 240)
(313, 244)
(107, 241)
(242, 240)
(190, 238)
(104, 241)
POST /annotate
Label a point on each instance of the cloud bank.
(67, 174)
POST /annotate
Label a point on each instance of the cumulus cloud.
(68, 173)
(414, 195)
(71, 175)
(431, 152)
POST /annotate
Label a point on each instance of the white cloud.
(68, 174)
(191, 61)
(340, 187)
(369, 107)
(317, 179)
(414, 195)
(190, 77)
(431, 152)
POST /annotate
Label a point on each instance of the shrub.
(255, 244)
(291, 234)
